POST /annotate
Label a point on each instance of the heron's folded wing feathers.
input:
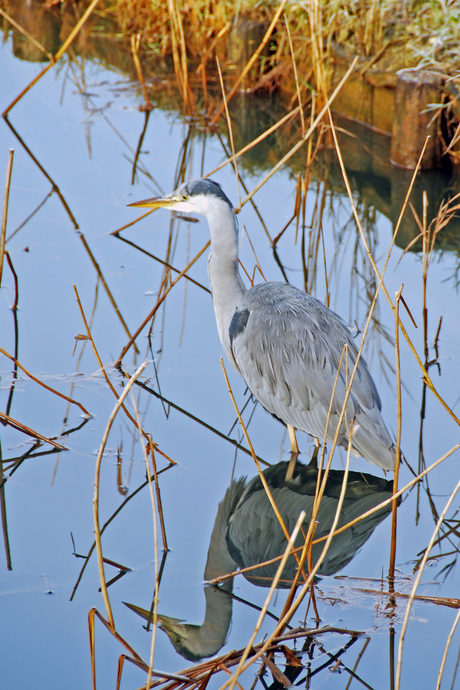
(289, 353)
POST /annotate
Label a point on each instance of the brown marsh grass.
(369, 28)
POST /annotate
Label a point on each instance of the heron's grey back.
(288, 347)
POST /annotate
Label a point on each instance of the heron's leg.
(317, 445)
(292, 439)
(314, 456)
(291, 466)
(294, 453)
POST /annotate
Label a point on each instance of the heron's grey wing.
(288, 347)
(254, 534)
(345, 545)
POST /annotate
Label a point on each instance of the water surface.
(81, 122)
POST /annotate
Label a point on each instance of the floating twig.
(7, 420)
(44, 385)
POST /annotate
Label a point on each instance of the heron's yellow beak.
(157, 202)
(168, 623)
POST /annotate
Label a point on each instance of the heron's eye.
(183, 197)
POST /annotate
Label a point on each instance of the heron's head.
(198, 196)
(193, 642)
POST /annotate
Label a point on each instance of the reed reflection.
(247, 533)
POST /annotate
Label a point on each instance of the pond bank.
(406, 82)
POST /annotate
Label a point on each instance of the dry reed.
(6, 197)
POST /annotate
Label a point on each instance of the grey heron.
(285, 343)
(247, 532)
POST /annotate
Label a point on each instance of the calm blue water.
(86, 145)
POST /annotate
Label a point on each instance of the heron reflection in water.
(247, 532)
(287, 345)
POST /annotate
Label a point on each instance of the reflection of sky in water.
(51, 497)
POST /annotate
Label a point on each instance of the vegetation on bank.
(395, 33)
(301, 50)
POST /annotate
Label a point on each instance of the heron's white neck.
(198, 641)
(213, 632)
(227, 286)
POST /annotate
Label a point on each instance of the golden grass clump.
(313, 36)
(152, 19)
